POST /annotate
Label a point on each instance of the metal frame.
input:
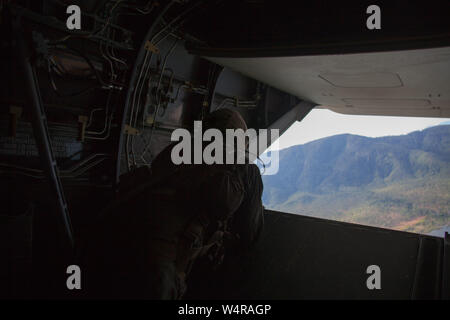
(40, 127)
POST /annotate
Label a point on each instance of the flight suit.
(145, 243)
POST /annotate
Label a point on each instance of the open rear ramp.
(301, 257)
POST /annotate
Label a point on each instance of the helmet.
(223, 119)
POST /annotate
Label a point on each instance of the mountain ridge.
(337, 169)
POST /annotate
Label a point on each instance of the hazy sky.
(320, 123)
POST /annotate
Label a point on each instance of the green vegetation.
(393, 182)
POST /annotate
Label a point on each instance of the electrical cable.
(89, 34)
(158, 94)
(139, 58)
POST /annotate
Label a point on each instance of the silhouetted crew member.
(146, 242)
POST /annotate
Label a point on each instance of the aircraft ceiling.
(394, 83)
